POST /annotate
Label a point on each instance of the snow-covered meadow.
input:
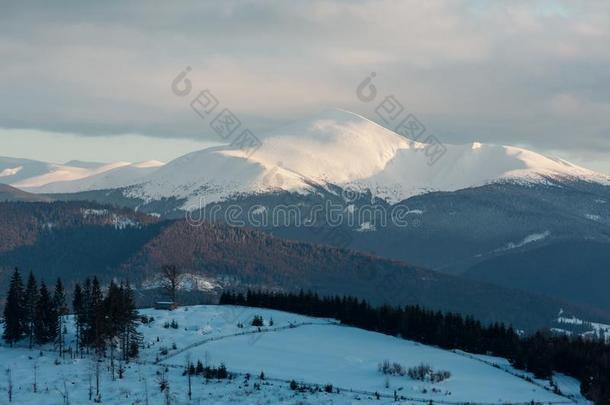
(311, 351)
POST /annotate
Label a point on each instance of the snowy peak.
(341, 148)
(336, 146)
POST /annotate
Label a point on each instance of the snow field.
(308, 350)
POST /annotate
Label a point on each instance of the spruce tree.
(77, 307)
(96, 315)
(110, 314)
(132, 338)
(88, 315)
(43, 322)
(31, 299)
(113, 311)
(14, 311)
(59, 311)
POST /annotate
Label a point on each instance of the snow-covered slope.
(109, 176)
(311, 351)
(347, 150)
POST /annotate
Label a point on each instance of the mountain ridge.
(335, 147)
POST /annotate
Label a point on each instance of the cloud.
(504, 72)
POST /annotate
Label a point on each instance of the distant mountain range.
(491, 213)
(42, 177)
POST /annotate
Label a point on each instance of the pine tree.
(14, 311)
(43, 321)
(59, 311)
(31, 299)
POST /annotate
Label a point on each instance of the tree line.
(102, 321)
(587, 360)
(32, 313)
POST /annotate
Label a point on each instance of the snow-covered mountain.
(335, 148)
(347, 150)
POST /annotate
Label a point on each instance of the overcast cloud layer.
(524, 73)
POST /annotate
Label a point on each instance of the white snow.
(593, 217)
(415, 212)
(10, 171)
(535, 237)
(366, 227)
(118, 221)
(308, 350)
(260, 210)
(87, 212)
(121, 222)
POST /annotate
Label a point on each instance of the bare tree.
(164, 386)
(65, 394)
(168, 396)
(90, 388)
(112, 358)
(170, 275)
(143, 378)
(35, 376)
(98, 396)
(145, 391)
(121, 370)
(9, 389)
(189, 369)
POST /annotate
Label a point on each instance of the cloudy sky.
(84, 80)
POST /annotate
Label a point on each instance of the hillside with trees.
(75, 240)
